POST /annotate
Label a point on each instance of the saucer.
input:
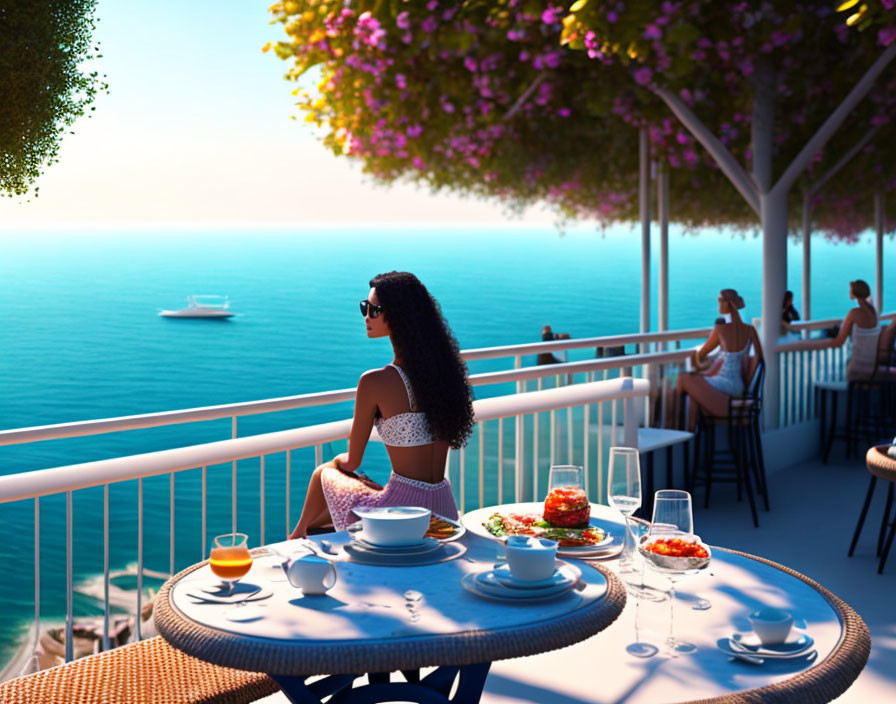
(441, 552)
(796, 644)
(562, 574)
(217, 589)
(487, 588)
(488, 582)
(424, 546)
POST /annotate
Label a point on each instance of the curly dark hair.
(429, 352)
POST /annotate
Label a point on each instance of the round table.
(363, 625)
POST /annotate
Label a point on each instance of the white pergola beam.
(832, 124)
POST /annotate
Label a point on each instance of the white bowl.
(393, 525)
(772, 626)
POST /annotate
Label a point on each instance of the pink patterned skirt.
(343, 493)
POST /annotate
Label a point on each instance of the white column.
(774, 283)
(807, 255)
(773, 215)
(879, 269)
(662, 199)
(644, 208)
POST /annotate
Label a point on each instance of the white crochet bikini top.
(404, 429)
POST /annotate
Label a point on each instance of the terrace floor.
(814, 512)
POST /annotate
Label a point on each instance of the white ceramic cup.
(772, 626)
(310, 573)
(530, 559)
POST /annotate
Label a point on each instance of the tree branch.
(832, 124)
(524, 97)
(726, 161)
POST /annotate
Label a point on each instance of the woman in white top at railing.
(862, 322)
(727, 375)
(421, 404)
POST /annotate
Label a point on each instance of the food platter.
(603, 517)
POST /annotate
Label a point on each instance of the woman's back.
(404, 430)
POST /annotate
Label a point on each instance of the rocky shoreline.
(48, 648)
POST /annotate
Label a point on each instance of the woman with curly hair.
(421, 405)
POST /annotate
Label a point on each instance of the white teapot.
(310, 573)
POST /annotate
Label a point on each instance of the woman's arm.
(711, 343)
(362, 423)
(824, 343)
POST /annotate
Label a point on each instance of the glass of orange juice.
(230, 559)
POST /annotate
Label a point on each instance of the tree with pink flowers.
(484, 99)
(746, 104)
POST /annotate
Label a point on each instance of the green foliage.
(43, 87)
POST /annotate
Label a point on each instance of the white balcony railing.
(575, 421)
(800, 370)
(613, 401)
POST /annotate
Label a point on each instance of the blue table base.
(435, 688)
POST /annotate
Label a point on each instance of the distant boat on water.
(205, 306)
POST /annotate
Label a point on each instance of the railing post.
(630, 420)
(69, 586)
(518, 458)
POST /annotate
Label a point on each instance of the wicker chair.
(881, 466)
(139, 673)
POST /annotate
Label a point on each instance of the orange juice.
(230, 563)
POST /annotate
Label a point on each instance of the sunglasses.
(370, 309)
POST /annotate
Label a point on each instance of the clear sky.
(197, 129)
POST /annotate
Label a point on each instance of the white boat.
(202, 307)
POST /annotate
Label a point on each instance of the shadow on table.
(319, 602)
(528, 692)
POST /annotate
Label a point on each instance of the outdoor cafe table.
(362, 625)
(453, 631)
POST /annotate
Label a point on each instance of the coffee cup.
(530, 559)
(771, 626)
(310, 573)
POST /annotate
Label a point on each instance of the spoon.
(742, 653)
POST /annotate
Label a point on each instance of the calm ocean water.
(80, 339)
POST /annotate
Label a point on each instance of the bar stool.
(743, 456)
(884, 467)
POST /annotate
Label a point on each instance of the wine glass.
(230, 559)
(624, 494)
(673, 517)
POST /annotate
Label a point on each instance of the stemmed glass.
(624, 495)
(672, 518)
(230, 559)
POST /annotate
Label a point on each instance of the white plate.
(563, 573)
(508, 594)
(604, 517)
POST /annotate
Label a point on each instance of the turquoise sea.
(80, 339)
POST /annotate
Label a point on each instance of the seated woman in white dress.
(716, 382)
(862, 322)
(421, 404)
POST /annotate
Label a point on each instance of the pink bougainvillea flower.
(643, 75)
